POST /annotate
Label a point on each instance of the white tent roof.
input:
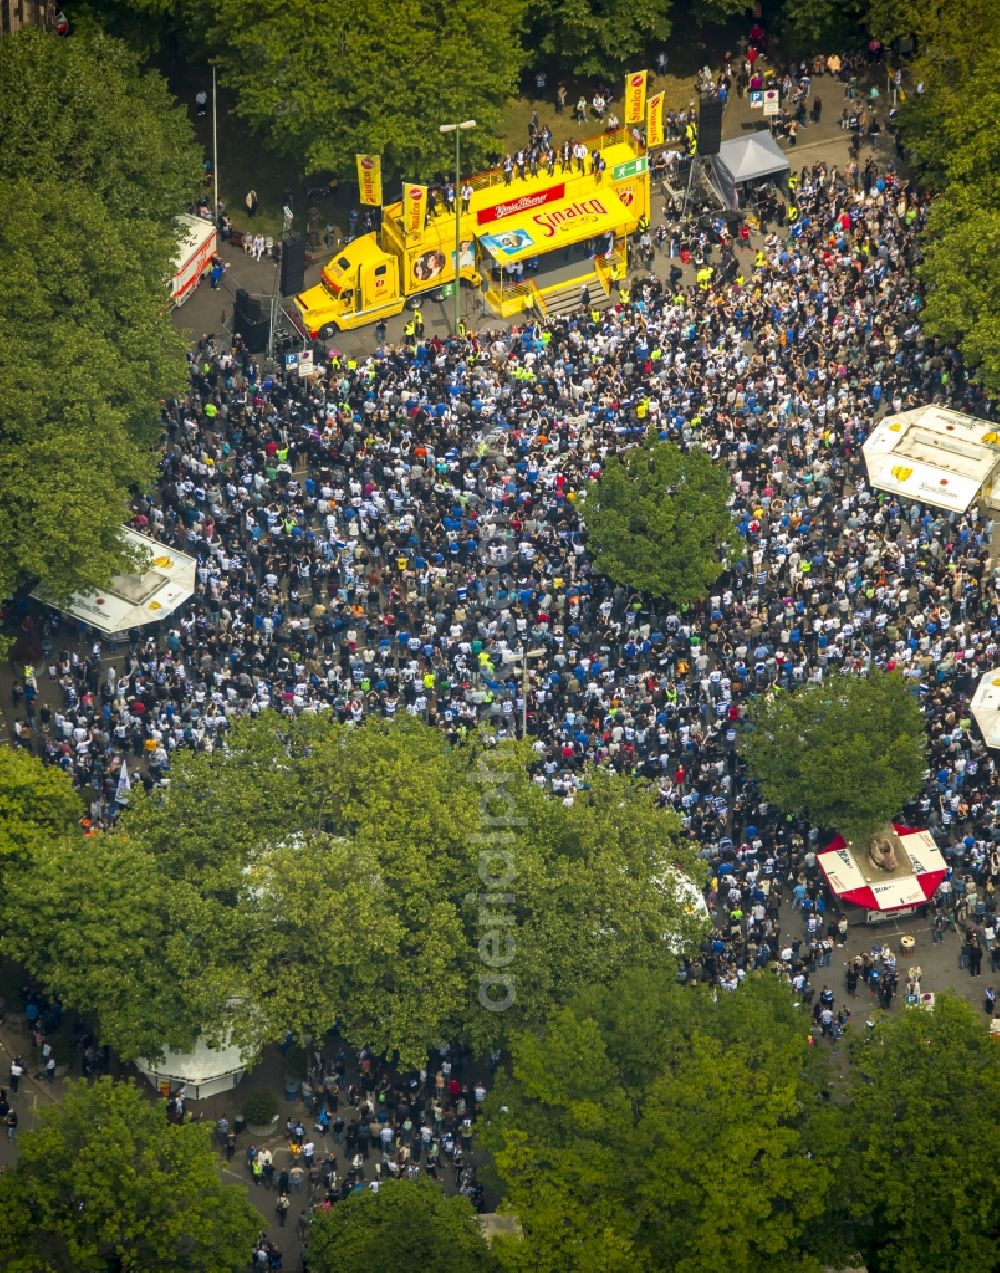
(758, 155)
(986, 707)
(198, 1067)
(132, 600)
(940, 457)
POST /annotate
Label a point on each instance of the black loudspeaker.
(710, 126)
(293, 265)
(250, 321)
(248, 307)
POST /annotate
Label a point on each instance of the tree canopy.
(37, 803)
(313, 873)
(925, 1104)
(659, 521)
(649, 1127)
(104, 1181)
(82, 111)
(407, 1224)
(326, 81)
(950, 135)
(656, 1127)
(806, 26)
(598, 37)
(848, 753)
(96, 164)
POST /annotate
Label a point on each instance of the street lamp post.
(458, 129)
(215, 151)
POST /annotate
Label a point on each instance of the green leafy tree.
(155, 30)
(950, 138)
(598, 37)
(313, 873)
(959, 272)
(81, 111)
(77, 441)
(706, 12)
(326, 81)
(810, 26)
(659, 521)
(138, 953)
(95, 166)
(847, 754)
(920, 1190)
(595, 893)
(37, 803)
(638, 1114)
(103, 1181)
(407, 1224)
(720, 1126)
(950, 39)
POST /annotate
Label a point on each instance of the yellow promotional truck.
(526, 242)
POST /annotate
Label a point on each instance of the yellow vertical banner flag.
(635, 98)
(414, 209)
(654, 121)
(370, 179)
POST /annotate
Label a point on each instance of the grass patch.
(678, 90)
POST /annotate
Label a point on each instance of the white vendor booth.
(986, 707)
(202, 1072)
(896, 877)
(129, 601)
(939, 457)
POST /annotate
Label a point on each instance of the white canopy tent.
(986, 707)
(202, 1072)
(130, 601)
(742, 161)
(939, 457)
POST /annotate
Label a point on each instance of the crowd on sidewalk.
(355, 1134)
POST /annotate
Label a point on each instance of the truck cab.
(359, 285)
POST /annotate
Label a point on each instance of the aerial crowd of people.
(403, 531)
(356, 1134)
